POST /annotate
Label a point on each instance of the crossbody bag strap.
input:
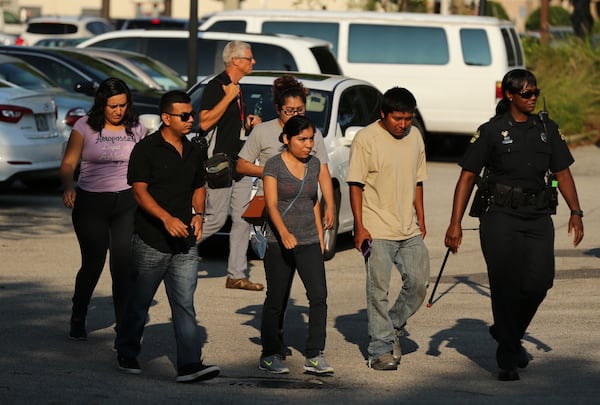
(298, 193)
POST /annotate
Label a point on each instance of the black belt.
(514, 197)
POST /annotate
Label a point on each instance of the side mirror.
(349, 135)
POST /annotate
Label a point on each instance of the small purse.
(219, 171)
(258, 241)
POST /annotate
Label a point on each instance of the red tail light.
(499, 94)
(73, 115)
(20, 41)
(13, 114)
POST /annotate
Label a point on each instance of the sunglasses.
(529, 93)
(184, 116)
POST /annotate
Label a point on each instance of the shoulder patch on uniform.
(562, 136)
(475, 137)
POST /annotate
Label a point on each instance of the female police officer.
(518, 150)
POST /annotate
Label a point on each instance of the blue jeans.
(411, 258)
(180, 274)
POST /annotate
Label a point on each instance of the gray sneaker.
(273, 364)
(317, 365)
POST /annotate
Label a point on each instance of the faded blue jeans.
(180, 274)
(411, 258)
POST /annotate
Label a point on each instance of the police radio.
(551, 189)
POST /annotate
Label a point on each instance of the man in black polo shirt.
(222, 107)
(167, 177)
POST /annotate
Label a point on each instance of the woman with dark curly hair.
(289, 96)
(102, 202)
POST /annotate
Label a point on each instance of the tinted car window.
(514, 52)
(475, 47)
(268, 57)
(228, 26)
(359, 106)
(272, 57)
(104, 70)
(326, 61)
(323, 30)
(51, 28)
(403, 44)
(22, 74)
(97, 27)
(56, 71)
(154, 23)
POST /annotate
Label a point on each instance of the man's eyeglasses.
(529, 93)
(248, 58)
(293, 111)
(184, 116)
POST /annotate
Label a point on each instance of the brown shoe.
(243, 284)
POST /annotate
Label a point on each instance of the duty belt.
(515, 197)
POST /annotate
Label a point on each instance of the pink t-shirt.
(105, 157)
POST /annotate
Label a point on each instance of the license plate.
(41, 122)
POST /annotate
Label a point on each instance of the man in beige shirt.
(386, 172)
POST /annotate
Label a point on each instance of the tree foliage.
(557, 16)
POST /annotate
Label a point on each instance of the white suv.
(63, 28)
(272, 52)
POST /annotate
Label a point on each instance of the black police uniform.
(516, 230)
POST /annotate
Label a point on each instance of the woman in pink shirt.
(102, 201)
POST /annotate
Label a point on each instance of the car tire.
(330, 235)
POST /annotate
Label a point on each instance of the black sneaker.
(196, 371)
(77, 331)
(129, 365)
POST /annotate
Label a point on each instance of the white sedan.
(31, 148)
(339, 106)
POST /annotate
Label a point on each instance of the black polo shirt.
(229, 126)
(518, 154)
(172, 180)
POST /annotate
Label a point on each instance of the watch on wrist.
(202, 214)
(577, 212)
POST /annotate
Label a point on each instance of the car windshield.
(258, 99)
(104, 69)
(25, 76)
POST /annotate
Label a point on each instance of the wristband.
(202, 214)
(577, 212)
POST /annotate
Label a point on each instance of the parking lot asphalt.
(447, 358)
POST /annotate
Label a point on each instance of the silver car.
(70, 106)
(31, 148)
(152, 72)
